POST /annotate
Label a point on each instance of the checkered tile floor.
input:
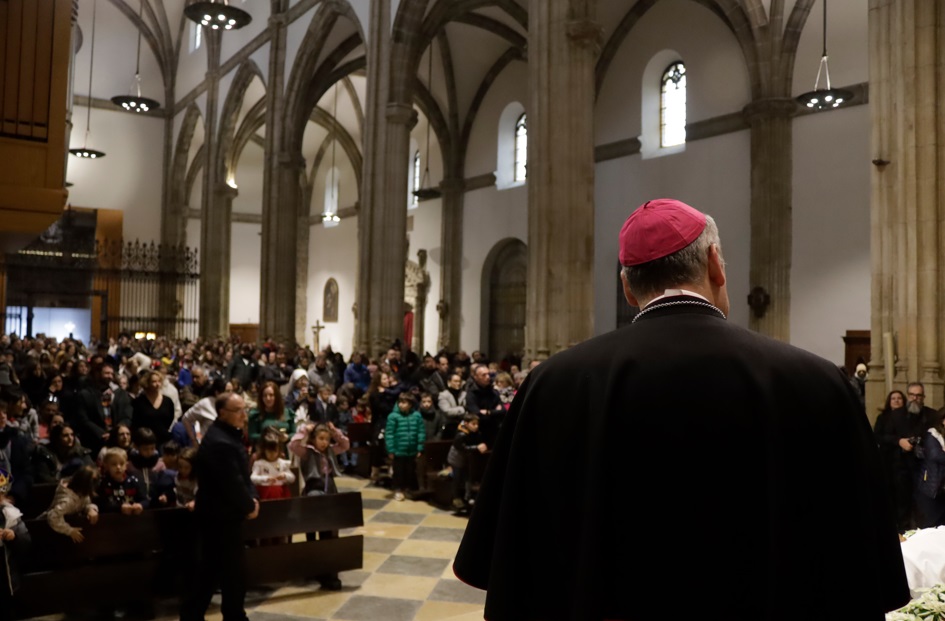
(407, 576)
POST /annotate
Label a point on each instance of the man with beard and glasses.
(909, 425)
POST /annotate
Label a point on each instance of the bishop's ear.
(716, 266)
(631, 299)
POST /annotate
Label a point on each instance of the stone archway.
(504, 286)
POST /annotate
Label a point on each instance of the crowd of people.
(119, 425)
(911, 438)
(136, 410)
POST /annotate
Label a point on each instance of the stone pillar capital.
(401, 114)
(770, 108)
(585, 33)
(226, 191)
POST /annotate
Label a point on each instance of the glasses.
(916, 395)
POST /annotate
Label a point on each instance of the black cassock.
(683, 467)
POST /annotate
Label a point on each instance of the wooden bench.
(39, 499)
(130, 560)
(361, 433)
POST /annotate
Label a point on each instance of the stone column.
(563, 45)
(387, 250)
(214, 221)
(771, 196)
(373, 176)
(283, 185)
(451, 264)
(907, 68)
(304, 232)
(280, 244)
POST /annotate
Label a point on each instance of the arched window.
(673, 106)
(521, 149)
(413, 201)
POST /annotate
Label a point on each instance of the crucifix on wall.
(316, 329)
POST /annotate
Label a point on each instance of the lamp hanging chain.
(137, 83)
(426, 171)
(824, 68)
(88, 117)
(334, 140)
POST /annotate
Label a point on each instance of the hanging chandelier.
(824, 98)
(217, 14)
(134, 101)
(330, 214)
(425, 191)
(85, 152)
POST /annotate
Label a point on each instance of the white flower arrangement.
(929, 606)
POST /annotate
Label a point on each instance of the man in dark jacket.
(16, 452)
(100, 408)
(483, 400)
(243, 368)
(225, 498)
(428, 379)
(722, 494)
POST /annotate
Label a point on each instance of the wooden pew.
(40, 498)
(129, 560)
(439, 491)
(361, 433)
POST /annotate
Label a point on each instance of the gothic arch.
(504, 283)
(174, 223)
(311, 77)
(745, 20)
(229, 115)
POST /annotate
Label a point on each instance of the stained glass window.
(521, 149)
(673, 106)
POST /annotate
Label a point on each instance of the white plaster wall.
(717, 185)
(333, 253)
(716, 76)
(129, 177)
(490, 216)
(191, 66)
(193, 236)
(847, 44)
(830, 274)
(245, 272)
(234, 40)
(511, 85)
(249, 181)
(427, 218)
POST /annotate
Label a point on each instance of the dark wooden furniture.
(130, 560)
(360, 434)
(40, 498)
(856, 349)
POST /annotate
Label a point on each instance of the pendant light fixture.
(85, 152)
(330, 214)
(217, 14)
(425, 191)
(134, 102)
(824, 98)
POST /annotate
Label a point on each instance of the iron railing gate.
(130, 286)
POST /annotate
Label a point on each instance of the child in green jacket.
(405, 434)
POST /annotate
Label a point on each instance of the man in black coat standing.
(618, 491)
(100, 408)
(483, 401)
(225, 498)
